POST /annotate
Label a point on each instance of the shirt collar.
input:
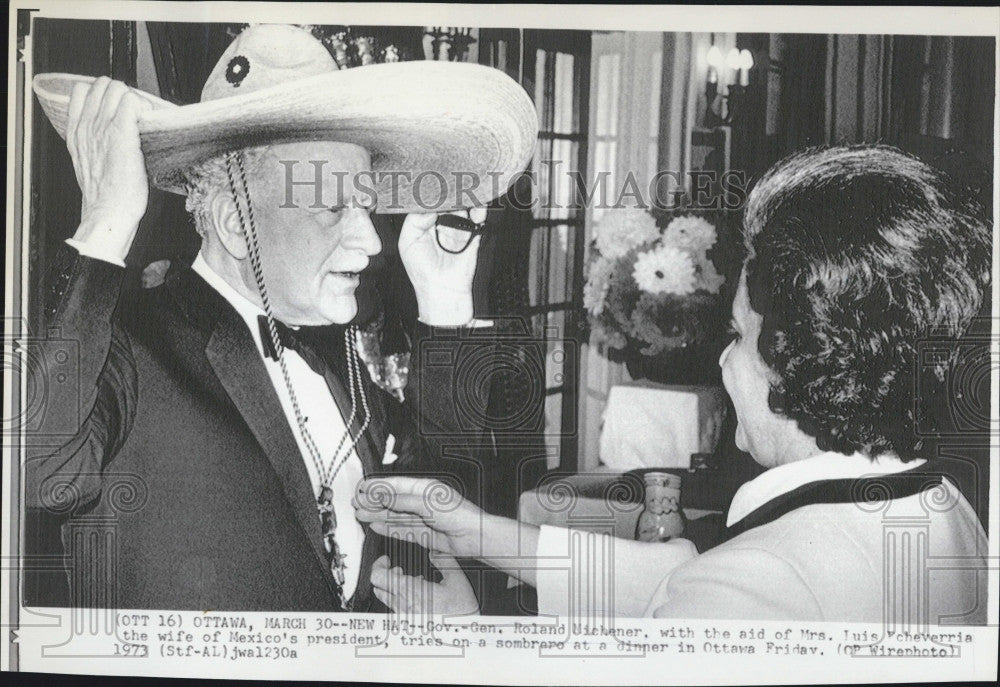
(246, 308)
(826, 466)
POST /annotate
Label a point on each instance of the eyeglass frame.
(451, 221)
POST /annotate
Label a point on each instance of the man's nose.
(361, 233)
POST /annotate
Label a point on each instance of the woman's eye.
(733, 333)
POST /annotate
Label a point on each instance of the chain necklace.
(326, 472)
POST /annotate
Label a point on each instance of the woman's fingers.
(397, 485)
(404, 504)
(417, 496)
(478, 215)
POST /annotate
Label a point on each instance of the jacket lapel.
(237, 363)
(230, 350)
(332, 350)
(367, 449)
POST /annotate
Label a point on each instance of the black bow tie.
(306, 341)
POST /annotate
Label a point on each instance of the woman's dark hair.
(854, 255)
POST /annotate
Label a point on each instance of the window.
(554, 68)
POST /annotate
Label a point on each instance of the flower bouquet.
(652, 294)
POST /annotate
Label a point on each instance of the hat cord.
(356, 386)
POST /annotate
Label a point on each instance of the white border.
(498, 667)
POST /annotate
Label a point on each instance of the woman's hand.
(442, 281)
(408, 594)
(435, 516)
(102, 135)
(429, 511)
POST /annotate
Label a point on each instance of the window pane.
(538, 272)
(656, 70)
(562, 245)
(551, 270)
(563, 185)
(656, 67)
(551, 327)
(563, 94)
(554, 163)
(604, 177)
(607, 85)
(556, 338)
(553, 427)
(542, 168)
(543, 97)
(654, 164)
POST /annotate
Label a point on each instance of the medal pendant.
(324, 503)
(328, 521)
(337, 563)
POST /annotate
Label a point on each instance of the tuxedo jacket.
(174, 468)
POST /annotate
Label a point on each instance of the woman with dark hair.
(853, 255)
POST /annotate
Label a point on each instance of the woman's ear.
(229, 229)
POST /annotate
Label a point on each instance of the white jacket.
(918, 559)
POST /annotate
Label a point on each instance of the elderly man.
(227, 419)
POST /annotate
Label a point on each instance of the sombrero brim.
(440, 134)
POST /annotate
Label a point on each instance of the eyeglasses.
(462, 224)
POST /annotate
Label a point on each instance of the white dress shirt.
(323, 419)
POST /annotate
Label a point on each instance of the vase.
(662, 519)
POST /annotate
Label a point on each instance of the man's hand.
(102, 135)
(407, 594)
(441, 280)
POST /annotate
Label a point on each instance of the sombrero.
(439, 133)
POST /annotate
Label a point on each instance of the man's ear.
(229, 229)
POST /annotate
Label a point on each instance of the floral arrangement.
(654, 287)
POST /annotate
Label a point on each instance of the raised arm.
(443, 406)
(85, 423)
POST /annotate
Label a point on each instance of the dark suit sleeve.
(443, 421)
(85, 365)
(439, 429)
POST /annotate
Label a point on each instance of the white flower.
(598, 283)
(665, 270)
(693, 233)
(623, 229)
